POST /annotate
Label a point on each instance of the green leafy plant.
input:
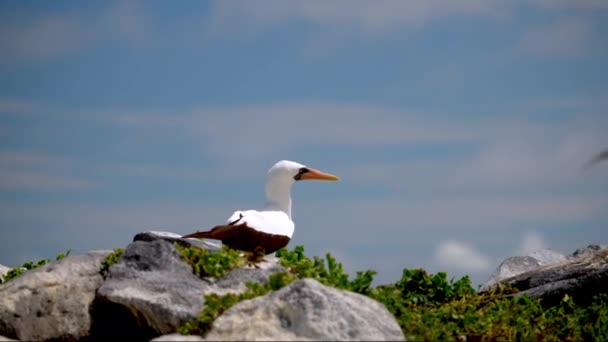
(216, 264)
(332, 275)
(429, 308)
(110, 260)
(329, 272)
(30, 266)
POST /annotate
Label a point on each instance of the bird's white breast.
(267, 221)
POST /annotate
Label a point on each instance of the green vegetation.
(431, 308)
(110, 260)
(211, 264)
(298, 267)
(427, 307)
(30, 266)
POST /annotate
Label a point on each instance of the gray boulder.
(152, 291)
(515, 265)
(53, 301)
(3, 270)
(581, 277)
(307, 310)
(510, 267)
(586, 251)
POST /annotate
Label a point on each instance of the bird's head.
(292, 171)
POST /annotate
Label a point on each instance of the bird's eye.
(301, 171)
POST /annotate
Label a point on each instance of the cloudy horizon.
(460, 130)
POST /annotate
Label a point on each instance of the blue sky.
(458, 128)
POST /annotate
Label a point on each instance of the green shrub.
(30, 266)
(110, 260)
(431, 307)
(211, 264)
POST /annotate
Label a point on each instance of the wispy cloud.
(35, 172)
(496, 154)
(40, 38)
(228, 132)
(567, 37)
(531, 242)
(460, 256)
(44, 37)
(344, 17)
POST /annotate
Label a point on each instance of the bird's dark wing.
(597, 158)
(244, 238)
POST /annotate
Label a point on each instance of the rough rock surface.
(582, 276)
(515, 265)
(510, 267)
(151, 290)
(3, 270)
(547, 256)
(53, 301)
(587, 251)
(307, 310)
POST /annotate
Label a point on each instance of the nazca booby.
(266, 231)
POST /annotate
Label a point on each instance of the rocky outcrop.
(307, 310)
(53, 301)
(582, 275)
(153, 290)
(515, 265)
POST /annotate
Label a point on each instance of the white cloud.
(531, 242)
(568, 36)
(460, 256)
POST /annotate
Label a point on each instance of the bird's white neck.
(278, 195)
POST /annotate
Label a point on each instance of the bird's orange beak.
(318, 175)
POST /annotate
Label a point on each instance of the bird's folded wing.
(218, 232)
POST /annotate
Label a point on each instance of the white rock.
(52, 301)
(307, 310)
